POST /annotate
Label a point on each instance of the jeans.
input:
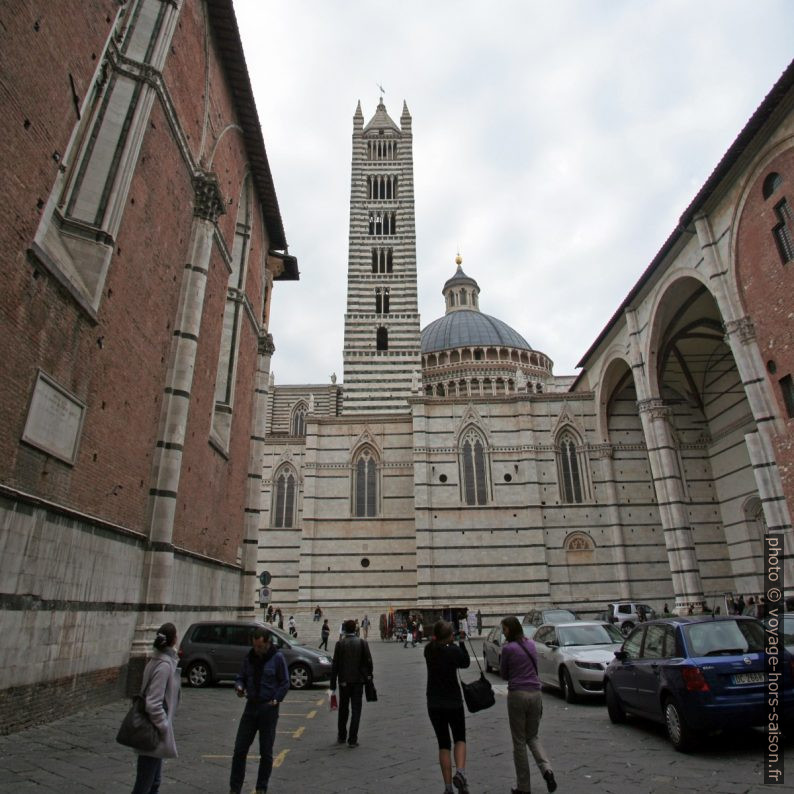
(349, 694)
(260, 717)
(147, 781)
(524, 710)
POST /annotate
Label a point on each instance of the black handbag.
(137, 730)
(478, 694)
(370, 693)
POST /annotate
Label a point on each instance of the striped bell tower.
(382, 347)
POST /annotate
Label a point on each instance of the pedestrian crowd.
(263, 681)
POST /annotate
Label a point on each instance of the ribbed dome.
(470, 328)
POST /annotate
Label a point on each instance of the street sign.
(264, 595)
(265, 578)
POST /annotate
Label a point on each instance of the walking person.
(325, 633)
(160, 688)
(410, 633)
(365, 627)
(519, 667)
(263, 681)
(293, 629)
(351, 667)
(445, 703)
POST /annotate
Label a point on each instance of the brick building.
(141, 237)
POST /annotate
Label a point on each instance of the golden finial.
(458, 259)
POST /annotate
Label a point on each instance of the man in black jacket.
(352, 666)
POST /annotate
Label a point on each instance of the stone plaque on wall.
(55, 418)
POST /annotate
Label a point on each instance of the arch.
(614, 375)
(297, 422)
(365, 486)
(578, 541)
(474, 466)
(283, 512)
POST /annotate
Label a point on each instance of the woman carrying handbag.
(519, 667)
(445, 702)
(160, 690)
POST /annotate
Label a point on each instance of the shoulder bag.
(137, 730)
(478, 694)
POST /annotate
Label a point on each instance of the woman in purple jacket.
(519, 666)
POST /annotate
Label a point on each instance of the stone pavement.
(397, 751)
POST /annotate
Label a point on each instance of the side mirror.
(621, 655)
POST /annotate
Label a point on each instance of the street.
(397, 751)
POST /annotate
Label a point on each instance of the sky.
(556, 144)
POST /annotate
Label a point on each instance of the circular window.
(365, 562)
(442, 477)
(508, 478)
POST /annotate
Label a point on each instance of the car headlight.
(589, 665)
(325, 660)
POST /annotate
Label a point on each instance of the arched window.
(572, 469)
(283, 511)
(382, 339)
(298, 423)
(772, 182)
(474, 468)
(784, 231)
(365, 484)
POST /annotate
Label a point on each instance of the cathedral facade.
(454, 469)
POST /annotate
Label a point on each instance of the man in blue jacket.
(264, 681)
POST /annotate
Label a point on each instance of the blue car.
(695, 675)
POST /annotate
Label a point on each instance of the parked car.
(627, 614)
(695, 675)
(492, 646)
(550, 614)
(786, 629)
(214, 650)
(572, 656)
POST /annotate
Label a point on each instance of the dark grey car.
(214, 650)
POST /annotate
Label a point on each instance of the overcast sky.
(555, 143)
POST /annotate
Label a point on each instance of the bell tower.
(382, 342)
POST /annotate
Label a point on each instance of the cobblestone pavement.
(397, 751)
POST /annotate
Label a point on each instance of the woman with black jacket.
(445, 702)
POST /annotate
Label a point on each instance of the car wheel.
(681, 736)
(566, 686)
(626, 628)
(199, 674)
(300, 677)
(614, 708)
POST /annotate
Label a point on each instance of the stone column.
(167, 459)
(678, 536)
(253, 496)
(604, 452)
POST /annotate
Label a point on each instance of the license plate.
(749, 678)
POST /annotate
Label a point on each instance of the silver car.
(214, 650)
(572, 657)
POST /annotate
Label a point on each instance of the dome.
(470, 328)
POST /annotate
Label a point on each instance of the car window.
(558, 616)
(670, 645)
(653, 648)
(633, 643)
(238, 635)
(788, 630)
(209, 634)
(544, 634)
(624, 609)
(724, 637)
(589, 635)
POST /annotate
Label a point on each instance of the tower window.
(782, 231)
(787, 389)
(382, 339)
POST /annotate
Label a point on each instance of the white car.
(572, 657)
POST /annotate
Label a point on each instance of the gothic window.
(386, 300)
(378, 301)
(365, 484)
(572, 469)
(388, 260)
(787, 390)
(283, 510)
(783, 231)
(382, 339)
(474, 467)
(298, 423)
